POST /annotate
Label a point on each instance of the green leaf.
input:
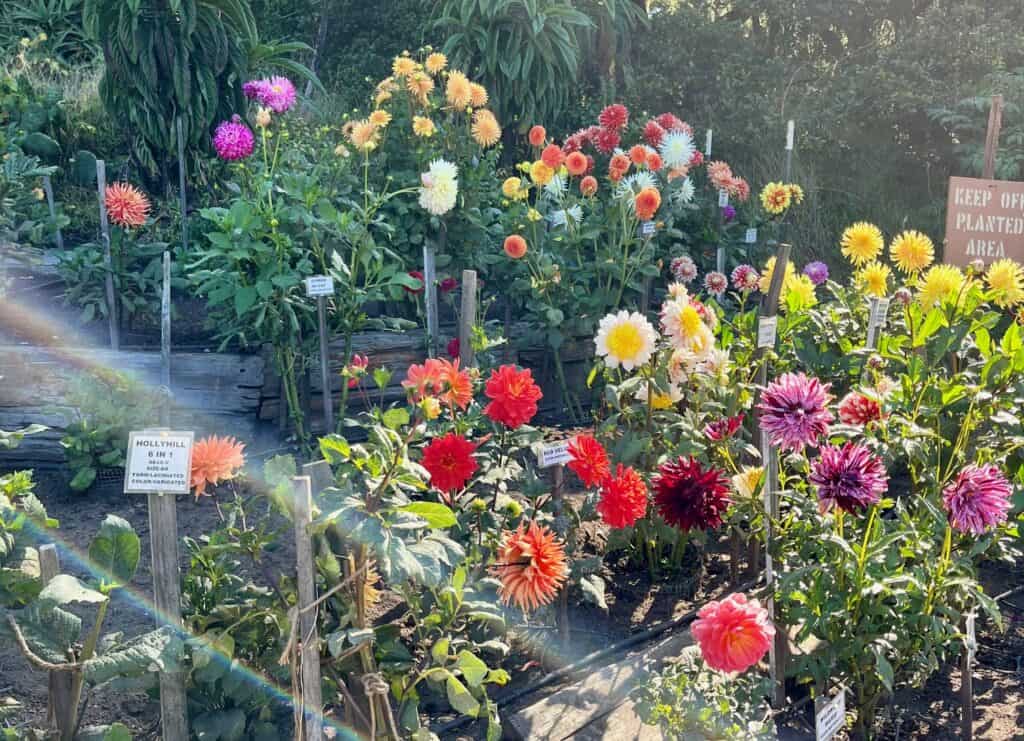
(437, 515)
(335, 448)
(115, 550)
(473, 669)
(65, 589)
(114, 732)
(396, 418)
(245, 297)
(83, 479)
(884, 668)
(220, 725)
(439, 651)
(593, 590)
(460, 699)
(157, 651)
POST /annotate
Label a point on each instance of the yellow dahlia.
(423, 126)
(364, 135)
(874, 278)
(436, 62)
(941, 283)
(486, 130)
(403, 66)
(625, 339)
(541, 173)
(457, 90)
(1005, 279)
(796, 193)
(861, 242)
(380, 118)
(912, 251)
(746, 481)
(775, 198)
(382, 97)
(798, 289)
(478, 95)
(420, 85)
(769, 268)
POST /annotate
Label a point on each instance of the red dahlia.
(690, 497)
(653, 133)
(589, 460)
(606, 140)
(723, 429)
(513, 395)
(614, 117)
(623, 498)
(859, 409)
(449, 461)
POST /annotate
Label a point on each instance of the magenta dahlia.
(723, 429)
(978, 499)
(253, 89)
(653, 133)
(233, 140)
(683, 268)
(277, 94)
(851, 477)
(688, 496)
(794, 411)
(606, 140)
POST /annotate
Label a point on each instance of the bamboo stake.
(108, 262)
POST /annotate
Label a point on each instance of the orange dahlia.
(457, 90)
(514, 396)
(126, 205)
(456, 387)
(588, 460)
(485, 129)
(618, 166)
(215, 459)
(531, 566)
(623, 498)
(647, 203)
(553, 156)
(588, 185)
(576, 163)
(654, 162)
(537, 135)
(638, 154)
(515, 246)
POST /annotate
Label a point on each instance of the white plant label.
(723, 198)
(879, 307)
(830, 718)
(554, 454)
(319, 285)
(751, 236)
(767, 328)
(158, 462)
(972, 638)
(790, 131)
(707, 144)
(648, 228)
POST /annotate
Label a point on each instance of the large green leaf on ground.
(115, 552)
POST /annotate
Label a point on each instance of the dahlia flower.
(682, 323)
(716, 283)
(874, 278)
(614, 117)
(683, 268)
(278, 94)
(514, 396)
(747, 480)
(423, 127)
(912, 251)
(485, 129)
(402, 66)
(537, 135)
(449, 461)
(126, 205)
(775, 198)
(606, 140)
(676, 149)
(794, 411)
(477, 95)
(588, 186)
(851, 477)
(724, 428)
(653, 133)
(436, 62)
(690, 497)
(625, 339)
(733, 634)
(440, 187)
(745, 278)
(646, 203)
(623, 498)
(215, 459)
(457, 90)
(588, 460)
(857, 408)
(817, 271)
(576, 163)
(531, 566)
(684, 193)
(939, 284)
(515, 246)
(233, 140)
(861, 242)
(1005, 280)
(979, 498)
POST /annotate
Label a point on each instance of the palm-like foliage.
(527, 52)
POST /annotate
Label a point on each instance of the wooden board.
(597, 707)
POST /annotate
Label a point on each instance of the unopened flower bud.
(876, 362)
(513, 508)
(263, 118)
(478, 506)
(976, 267)
(903, 296)
(430, 407)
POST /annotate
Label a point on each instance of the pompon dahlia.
(733, 634)
(745, 278)
(588, 460)
(794, 411)
(278, 94)
(623, 498)
(576, 163)
(851, 477)
(625, 339)
(215, 459)
(588, 186)
(857, 408)
(716, 283)
(606, 140)
(449, 461)
(683, 268)
(537, 135)
(233, 140)
(979, 498)
(653, 133)
(513, 395)
(647, 202)
(723, 429)
(515, 246)
(553, 156)
(127, 206)
(817, 271)
(531, 566)
(690, 497)
(614, 117)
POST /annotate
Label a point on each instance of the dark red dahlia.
(690, 497)
(723, 429)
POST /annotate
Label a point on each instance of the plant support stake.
(430, 291)
(181, 184)
(309, 661)
(108, 262)
(325, 369)
(467, 318)
(48, 189)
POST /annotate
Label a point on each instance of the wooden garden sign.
(984, 221)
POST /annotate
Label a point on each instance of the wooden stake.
(325, 369)
(181, 184)
(60, 715)
(995, 122)
(163, 538)
(467, 319)
(430, 293)
(558, 495)
(108, 262)
(309, 670)
(967, 681)
(51, 204)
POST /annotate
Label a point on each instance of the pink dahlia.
(614, 117)
(233, 140)
(253, 89)
(277, 94)
(745, 278)
(653, 133)
(978, 499)
(684, 269)
(794, 411)
(671, 122)
(574, 142)
(690, 497)
(606, 140)
(716, 283)
(733, 634)
(859, 409)
(697, 159)
(851, 477)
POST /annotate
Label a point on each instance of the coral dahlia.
(127, 206)
(733, 634)
(215, 459)
(531, 566)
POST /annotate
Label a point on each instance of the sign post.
(181, 184)
(877, 311)
(322, 286)
(108, 262)
(467, 318)
(555, 456)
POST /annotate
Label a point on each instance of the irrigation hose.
(554, 676)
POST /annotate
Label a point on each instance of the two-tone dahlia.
(794, 411)
(531, 566)
(851, 477)
(745, 278)
(625, 339)
(733, 634)
(978, 499)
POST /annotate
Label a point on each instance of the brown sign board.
(984, 220)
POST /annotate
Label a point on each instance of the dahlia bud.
(976, 267)
(274, 223)
(38, 193)
(478, 506)
(341, 151)
(903, 295)
(513, 508)
(263, 117)
(430, 407)
(876, 362)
